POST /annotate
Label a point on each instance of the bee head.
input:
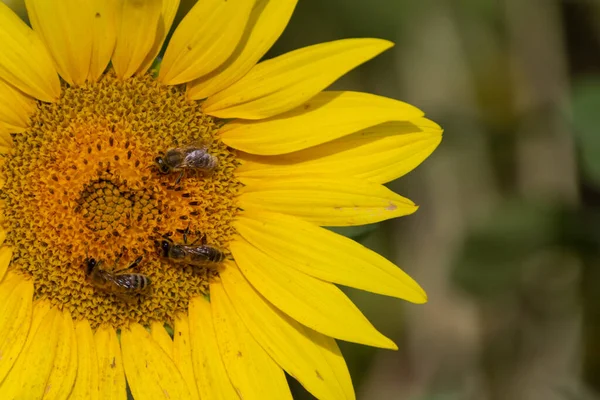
(162, 165)
(165, 246)
(90, 264)
(162, 247)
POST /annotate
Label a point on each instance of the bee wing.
(198, 253)
(202, 254)
(197, 158)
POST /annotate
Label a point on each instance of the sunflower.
(85, 114)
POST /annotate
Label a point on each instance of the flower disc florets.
(81, 181)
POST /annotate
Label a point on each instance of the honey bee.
(121, 284)
(186, 158)
(190, 254)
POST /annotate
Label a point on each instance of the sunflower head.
(190, 199)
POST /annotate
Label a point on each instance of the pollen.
(82, 182)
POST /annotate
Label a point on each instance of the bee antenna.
(117, 260)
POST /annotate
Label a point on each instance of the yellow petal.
(251, 370)
(6, 140)
(64, 27)
(64, 368)
(15, 319)
(5, 257)
(182, 354)
(28, 376)
(280, 336)
(8, 285)
(24, 60)
(136, 35)
(104, 35)
(204, 39)
(15, 108)
(317, 304)
(151, 373)
(5, 137)
(211, 377)
(327, 200)
(379, 154)
(285, 82)
(326, 255)
(167, 15)
(335, 359)
(86, 384)
(2, 239)
(160, 336)
(267, 21)
(325, 117)
(111, 378)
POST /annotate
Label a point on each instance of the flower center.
(82, 182)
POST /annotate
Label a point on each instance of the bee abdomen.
(216, 255)
(142, 282)
(202, 255)
(210, 161)
(132, 282)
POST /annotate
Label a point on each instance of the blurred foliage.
(586, 121)
(441, 396)
(491, 261)
(358, 233)
(18, 6)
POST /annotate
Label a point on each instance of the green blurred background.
(506, 239)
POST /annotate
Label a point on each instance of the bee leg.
(201, 237)
(117, 260)
(132, 265)
(196, 240)
(185, 233)
(135, 263)
(179, 177)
